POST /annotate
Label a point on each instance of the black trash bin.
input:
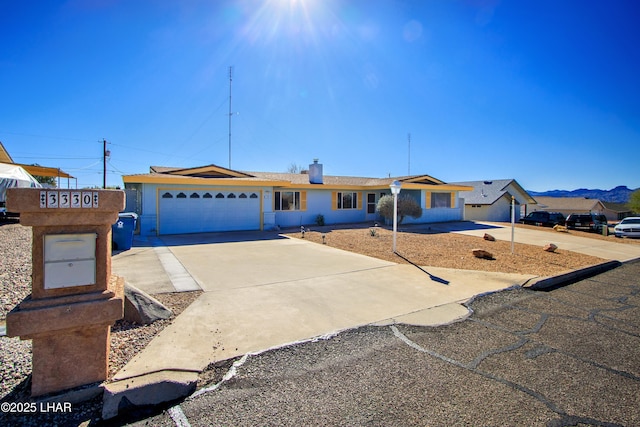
(122, 231)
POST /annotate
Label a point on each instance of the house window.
(371, 203)
(219, 196)
(207, 196)
(167, 196)
(287, 200)
(242, 196)
(194, 196)
(253, 196)
(231, 196)
(440, 200)
(347, 200)
(181, 196)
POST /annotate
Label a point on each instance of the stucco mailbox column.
(74, 298)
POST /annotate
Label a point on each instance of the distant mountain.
(619, 194)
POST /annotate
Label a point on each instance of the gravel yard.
(127, 339)
(424, 248)
(15, 268)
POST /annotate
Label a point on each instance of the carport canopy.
(45, 171)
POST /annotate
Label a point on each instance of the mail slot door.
(69, 260)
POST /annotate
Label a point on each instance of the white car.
(628, 227)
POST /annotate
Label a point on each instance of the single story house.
(491, 200)
(617, 211)
(213, 198)
(569, 205)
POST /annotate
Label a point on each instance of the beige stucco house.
(569, 205)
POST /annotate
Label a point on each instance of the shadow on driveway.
(205, 238)
(450, 227)
(250, 236)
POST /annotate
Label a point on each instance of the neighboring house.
(4, 155)
(33, 169)
(491, 200)
(569, 205)
(13, 176)
(616, 211)
(213, 198)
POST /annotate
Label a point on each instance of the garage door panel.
(207, 211)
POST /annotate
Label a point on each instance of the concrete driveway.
(224, 265)
(219, 261)
(568, 357)
(224, 261)
(264, 291)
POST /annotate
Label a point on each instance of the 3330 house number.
(57, 199)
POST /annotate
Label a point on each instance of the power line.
(44, 136)
(197, 129)
(116, 169)
(85, 167)
(205, 121)
(53, 158)
(148, 151)
(205, 148)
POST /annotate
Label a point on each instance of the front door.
(371, 206)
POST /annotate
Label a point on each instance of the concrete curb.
(549, 283)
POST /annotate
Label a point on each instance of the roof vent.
(488, 182)
(315, 172)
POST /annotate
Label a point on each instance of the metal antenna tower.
(409, 161)
(230, 113)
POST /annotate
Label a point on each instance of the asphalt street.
(563, 357)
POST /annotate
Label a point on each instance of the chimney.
(315, 172)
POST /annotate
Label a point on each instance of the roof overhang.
(171, 179)
(208, 171)
(44, 171)
(523, 191)
(191, 180)
(423, 179)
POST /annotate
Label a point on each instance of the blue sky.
(546, 92)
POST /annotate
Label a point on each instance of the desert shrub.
(407, 206)
(634, 201)
(320, 220)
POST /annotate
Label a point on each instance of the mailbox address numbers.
(69, 199)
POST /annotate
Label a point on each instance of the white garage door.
(205, 211)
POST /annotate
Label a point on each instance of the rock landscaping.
(424, 247)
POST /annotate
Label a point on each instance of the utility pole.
(105, 153)
(230, 113)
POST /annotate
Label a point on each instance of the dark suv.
(547, 219)
(589, 222)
